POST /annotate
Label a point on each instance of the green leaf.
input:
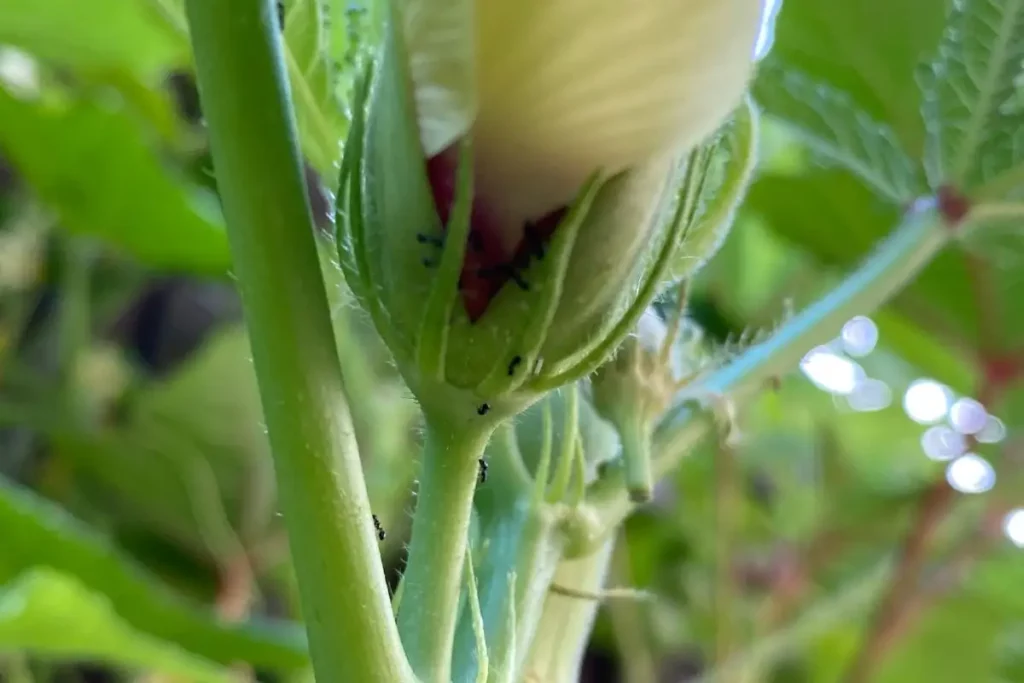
(837, 130)
(871, 50)
(321, 120)
(92, 165)
(974, 115)
(94, 34)
(186, 459)
(868, 49)
(952, 643)
(37, 533)
(49, 614)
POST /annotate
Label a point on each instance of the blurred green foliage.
(137, 480)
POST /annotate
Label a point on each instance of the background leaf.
(95, 35)
(38, 533)
(971, 106)
(832, 125)
(91, 164)
(867, 54)
(870, 50)
(185, 459)
(34, 618)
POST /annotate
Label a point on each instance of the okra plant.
(524, 194)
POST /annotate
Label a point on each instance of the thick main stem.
(245, 102)
(440, 534)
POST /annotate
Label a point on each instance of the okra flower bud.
(513, 189)
(633, 390)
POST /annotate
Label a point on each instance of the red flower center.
(487, 266)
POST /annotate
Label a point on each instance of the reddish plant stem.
(955, 570)
(234, 601)
(932, 510)
(985, 297)
(796, 576)
(888, 624)
(235, 595)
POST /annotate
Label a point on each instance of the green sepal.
(654, 268)
(399, 204)
(531, 313)
(349, 219)
(623, 236)
(731, 167)
(432, 341)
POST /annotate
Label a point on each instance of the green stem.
(523, 540)
(561, 636)
(440, 534)
(894, 264)
(636, 457)
(245, 100)
(631, 630)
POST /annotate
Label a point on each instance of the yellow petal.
(439, 38)
(569, 86)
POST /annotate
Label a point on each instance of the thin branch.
(932, 511)
(984, 294)
(630, 626)
(954, 571)
(726, 504)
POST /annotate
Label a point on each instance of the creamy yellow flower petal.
(569, 86)
(439, 43)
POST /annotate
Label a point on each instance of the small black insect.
(505, 270)
(518, 279)
(534, 243)
(514, 364)
(429, 239)
(483, 409)
(481, 475)
(280, 14)
(381, 534)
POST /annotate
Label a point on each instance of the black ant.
(531, 248)
(534, 242)
(381, 534)
(430, 239)
(481, 476)
(507, 270)
(437, 242)
(514, 364)
(483, 409)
